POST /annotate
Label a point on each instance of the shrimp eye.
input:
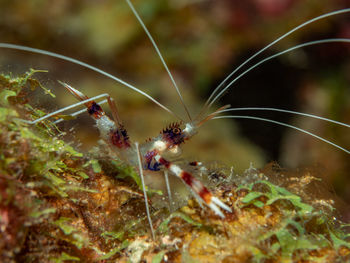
(176, 131)
(173, 134)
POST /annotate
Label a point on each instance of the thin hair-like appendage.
(144, 188)
(337, 12)
(83, 64)
(166, 177)
(282, 124)
(160, 56)
(212, 115)
(286, 111)
(76, 113)
(316, 42)
(67, 108)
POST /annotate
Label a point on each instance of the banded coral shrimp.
(74, 85)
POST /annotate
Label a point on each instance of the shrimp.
(158, 152)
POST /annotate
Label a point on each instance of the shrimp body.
(155, 152)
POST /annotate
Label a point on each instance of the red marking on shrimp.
(187, 177)
(94, 109)
(164, 162)
(120, 139)
(205, 195)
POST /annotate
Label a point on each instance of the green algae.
(51, 170)
(64, 257)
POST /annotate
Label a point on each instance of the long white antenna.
(166, 177)
(337, 12)
(285, 111)
(283, 124)
(76, 113)
(160, 56)
(66, 108)
(316, 42)
(83, 64)
(144, 188)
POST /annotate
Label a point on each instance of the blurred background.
(202, 41)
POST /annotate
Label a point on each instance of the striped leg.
(55, 113)
(76, 113)
(199, 190)
(113, 132)
(88, 102)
